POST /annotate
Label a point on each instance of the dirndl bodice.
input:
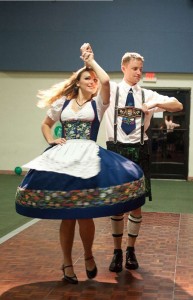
(80, 179)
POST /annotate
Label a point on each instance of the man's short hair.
(129, 55)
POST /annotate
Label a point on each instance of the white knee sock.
(117, 223)
(133, 225)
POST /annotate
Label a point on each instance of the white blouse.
(85, 113)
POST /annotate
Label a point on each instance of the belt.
(134, 145)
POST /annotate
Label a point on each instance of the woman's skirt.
(80, 180)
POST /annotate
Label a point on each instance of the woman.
(75, 179)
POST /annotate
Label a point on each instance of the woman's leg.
(87, 231)
(67, 229)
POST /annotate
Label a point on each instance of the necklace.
(81, 105)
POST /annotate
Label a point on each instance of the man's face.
(132, 71)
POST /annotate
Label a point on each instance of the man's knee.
(133, 225)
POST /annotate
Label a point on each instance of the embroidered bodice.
(77, 129)
(82, 128)
(81, 124)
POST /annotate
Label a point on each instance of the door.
(169, 139)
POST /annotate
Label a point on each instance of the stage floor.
(31, 261)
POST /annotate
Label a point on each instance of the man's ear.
(123, 68)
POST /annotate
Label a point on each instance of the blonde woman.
(75, 179)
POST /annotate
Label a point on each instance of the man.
(132, 144)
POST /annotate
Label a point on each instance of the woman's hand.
(87, 57)
(87, 54)
(145, 108)
(47, 124)
(59, 141)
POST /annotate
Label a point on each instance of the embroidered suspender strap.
(129, 112)
(115, 115)
(142, 119)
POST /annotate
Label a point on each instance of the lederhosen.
(138, 152)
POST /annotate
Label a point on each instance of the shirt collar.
(127, 87)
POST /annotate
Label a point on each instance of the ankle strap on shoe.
(64, 267)
(89, 258)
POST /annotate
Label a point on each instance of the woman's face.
(88, 82)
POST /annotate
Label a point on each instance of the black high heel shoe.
(91, 274)
(69, 279)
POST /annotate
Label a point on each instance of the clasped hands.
(87, 54)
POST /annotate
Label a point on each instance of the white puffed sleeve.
(54, 111)
(101, 108)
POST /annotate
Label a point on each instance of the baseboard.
(10, 172)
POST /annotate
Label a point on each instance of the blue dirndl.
(80, 180)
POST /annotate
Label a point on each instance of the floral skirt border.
(80, 203)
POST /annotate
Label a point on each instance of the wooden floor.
(31, 260)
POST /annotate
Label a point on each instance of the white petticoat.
(77, 158)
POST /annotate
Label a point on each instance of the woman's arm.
(87, 56)
(47, 133)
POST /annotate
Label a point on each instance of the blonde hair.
(129, 55)
(66, 88)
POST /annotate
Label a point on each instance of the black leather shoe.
(131, 260)
(117, 261)
(92, 273)
(69, 279)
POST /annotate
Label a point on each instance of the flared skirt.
(98, 183)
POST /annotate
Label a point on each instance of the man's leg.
(133, 227)
(117, 223)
